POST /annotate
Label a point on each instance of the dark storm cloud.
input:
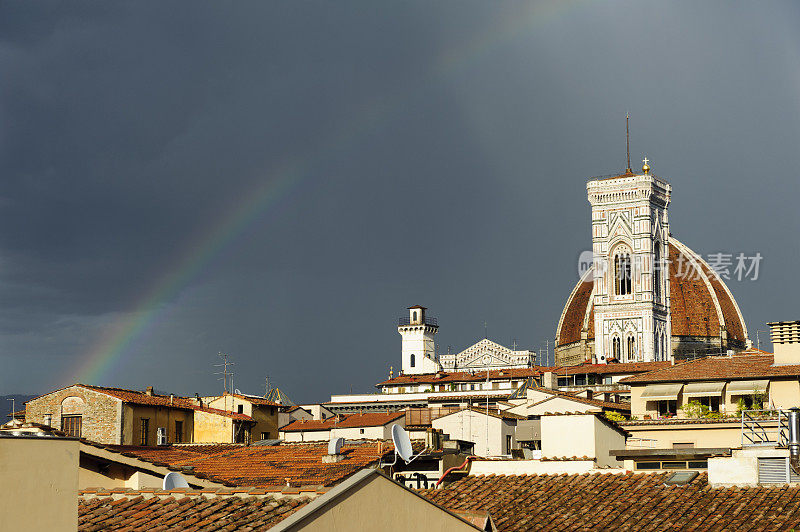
(443, 151)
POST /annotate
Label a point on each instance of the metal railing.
(427, 320)
(765, 427)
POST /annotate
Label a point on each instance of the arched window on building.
(616, 348)
(657, 273)
(622, 273)
(414, 316)
(657, 346)
(413, 358)
(631, 349)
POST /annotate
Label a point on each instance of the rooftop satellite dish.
(335, 446)
(174, 481)
(237, 391)
(402, 443)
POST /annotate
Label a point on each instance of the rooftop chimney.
(149, 390)
(785, 337)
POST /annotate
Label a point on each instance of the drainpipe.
(794, 439)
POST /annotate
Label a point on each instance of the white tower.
(419, 350)
(630, 243)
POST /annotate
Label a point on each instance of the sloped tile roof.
(465, 376)
(614, 368)
(619, 502)
(168, 454)
(570, 396)
(369, 419)
(185, 403)
(717, 368)
(270, 466)
(133, 512)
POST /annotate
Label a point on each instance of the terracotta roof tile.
(465, 376)
(619, 502)
(270, 466)
(369, 419)
(185, 403)
(208, 512)
(614, 368)
(717, 368)
(608, 405)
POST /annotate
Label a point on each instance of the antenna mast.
(628, 139)
(225, 372)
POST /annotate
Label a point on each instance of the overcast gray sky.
(280, 180)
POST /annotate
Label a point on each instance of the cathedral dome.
(701, 307)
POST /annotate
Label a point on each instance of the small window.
(673, 464)
(72, 425)
(265, 435)
(508, 443)
(580, 380)
(648, 465)
(144, 426)
(48, 420)
(471, 386)
(361, 431)
(178, 431)
(698, 464)
(240, 409)
(413, 360)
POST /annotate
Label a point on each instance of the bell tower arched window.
(622, 273)
(616, 348)
(631, 348)
(657, 273)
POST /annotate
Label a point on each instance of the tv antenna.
(226, 373)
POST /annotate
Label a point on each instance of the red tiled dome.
(699, 301)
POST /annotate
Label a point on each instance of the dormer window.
(414, 316)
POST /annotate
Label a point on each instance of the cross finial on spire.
(646, 167)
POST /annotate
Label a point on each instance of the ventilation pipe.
(794, 439)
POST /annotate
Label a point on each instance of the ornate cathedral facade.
(647, 297)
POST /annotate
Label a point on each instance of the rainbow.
(151, 308)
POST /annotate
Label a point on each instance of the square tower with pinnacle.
(630, 239)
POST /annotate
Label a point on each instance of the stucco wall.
(266, 417)
(212, 428)
(471, 426)
(705, 435)
(38, 484)
(100, 413)
(580, 435)
(367, 508)
(531, 467)
(132, 416)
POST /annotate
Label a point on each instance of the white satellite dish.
(402, 443)
(335, 446)
(174, 481)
